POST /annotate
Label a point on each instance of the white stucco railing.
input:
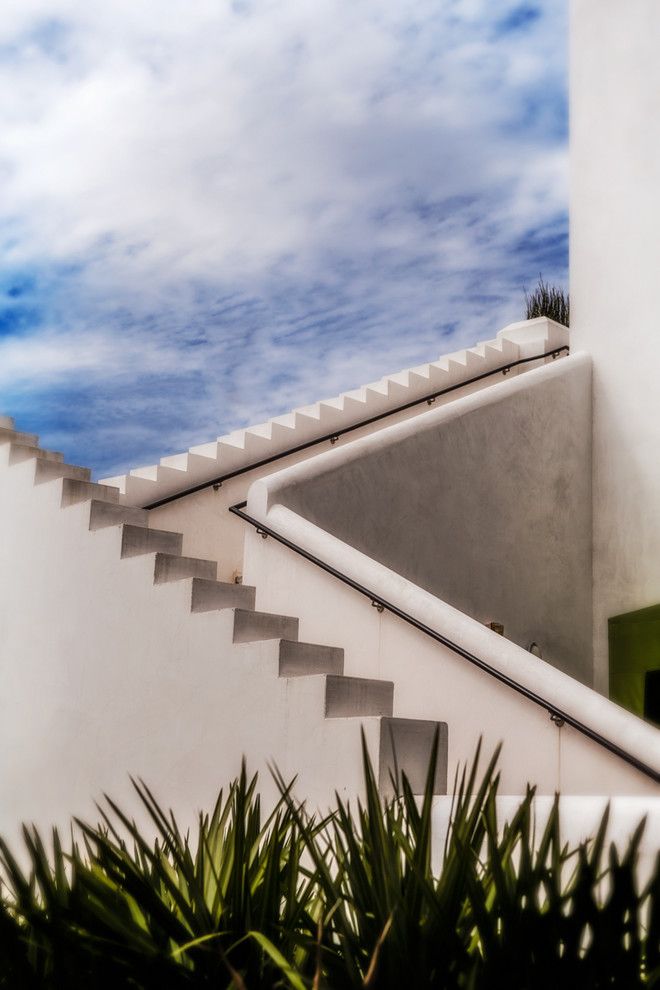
(562, 697)
(631, 758)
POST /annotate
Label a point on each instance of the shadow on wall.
(485, 503)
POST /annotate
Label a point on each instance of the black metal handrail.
(558, 716)
(334, 436)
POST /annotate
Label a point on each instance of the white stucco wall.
(485, 503)
(104, 674)
(615, 260)
(579, 820)
(431, 681)
(209, 530)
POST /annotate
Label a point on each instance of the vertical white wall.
(615, 311)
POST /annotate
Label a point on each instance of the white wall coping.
(266, 492)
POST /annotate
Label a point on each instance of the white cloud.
(207, 140)
(366, 154)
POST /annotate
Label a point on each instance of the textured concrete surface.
(485, 503)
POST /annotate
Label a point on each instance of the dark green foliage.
(351, 901)
(548, 300)
(127, 912)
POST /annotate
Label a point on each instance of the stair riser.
(137, 540)
(22, 452)
(15, 436)
(303, 659)
(49, 470)
(104, 514)
(252, 626)
(207, 596)
(347, 697)
(74, 492)
(405, 747)
(168, 568)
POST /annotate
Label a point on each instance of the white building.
(147, 629)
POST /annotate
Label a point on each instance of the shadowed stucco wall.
(486, 504)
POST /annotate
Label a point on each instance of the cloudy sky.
(213, 211)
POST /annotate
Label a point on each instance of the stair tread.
(302, 644)
(266, 615)
(214, 583)
(152, 530)
(346, 682)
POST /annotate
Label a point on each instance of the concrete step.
(171, 568)
(207, 596)
(139, 491)
(197, 467)
(103, 514)
(136, 540)
(9, 435)
(300, 659)
(48, 470)
(156, 472)
(346, 697)
(250, 626)
(241, 447)
(246, 445)
(74, 491)
(23, 452)
(405, 747)
(255, 446)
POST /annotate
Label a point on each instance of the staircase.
(311, 674)
(242, 448)
(125, 649)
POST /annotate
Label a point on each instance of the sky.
(213, 211)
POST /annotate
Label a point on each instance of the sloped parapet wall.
(485, 503)
(243, 457)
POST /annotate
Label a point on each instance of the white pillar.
(615, 290)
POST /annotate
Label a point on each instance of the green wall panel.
(634, 641)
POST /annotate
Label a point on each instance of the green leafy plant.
(121, 909)
(352, 900)
(548, 300)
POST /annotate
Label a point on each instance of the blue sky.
(211, 212)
